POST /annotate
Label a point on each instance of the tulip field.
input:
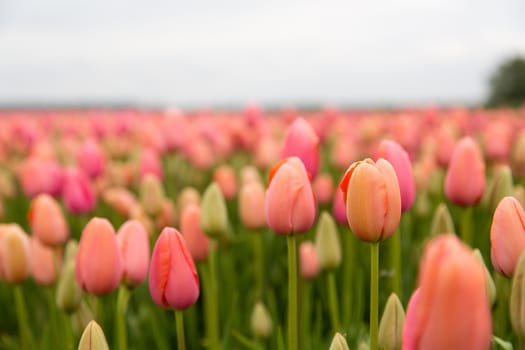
(252, 229)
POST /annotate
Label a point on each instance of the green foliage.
(507, 84)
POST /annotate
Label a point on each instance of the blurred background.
(228, 53)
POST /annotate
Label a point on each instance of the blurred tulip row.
(254, 229)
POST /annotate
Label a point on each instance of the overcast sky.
(205, 53)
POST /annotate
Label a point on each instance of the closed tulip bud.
(339, 342)
(490, 286)
(453, 310)
(507, 236)
(47, 221)
(442, 221)
(308, 260)
(173, 279)
(133, 243)
(373, 201)
(98, 266)
(120, 199)
(197, 242)
(410, 326)
(290, 202)
(214, 215)
(339, 208)
(327, 243)
(91, 159)
(465, 179)
(323, 188)
(261, 321)
(249, 174)
(391, 325)
(251, 205)
(224, 176)
(188, 196)
(517, 299)
(301, 141)
(78, 193)
(38, 176)
(68, 293)
(93, 338)
(47, 262)
(502, 186)
(15, 258)
(150, 164)
(151, 194)
(398, 157)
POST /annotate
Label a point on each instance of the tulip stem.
(259, 261)
(374, 294)
(179, 323)
(292, 292)
(395, 260)
(23, 326)
(122, 305)
(333, 300)
(466, 225)
(211, 299)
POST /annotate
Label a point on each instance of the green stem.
(395, 261)
(23, 326)
(306, 314)
(259, 263)
(292, 292)
(333, 300)
(179, 323)
(52, 316)
(122, 305)
(211, 305)
(67, 331)
(374, 294)
(466, 225)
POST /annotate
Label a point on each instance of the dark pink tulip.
(507, 236)
(465, 179)
(133, 243)
(398, 157)
(98, 267)
(290, 201)
(173, 279)
(150, 164)
(452, 309)
(47, 221)
(78, 193)
(38, 176)
(197, 241)
(302, 141)
(91, 159)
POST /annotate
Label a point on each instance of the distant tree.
(507, 84)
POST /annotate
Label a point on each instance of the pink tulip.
(47, 221)
(166, 215)
(38, 176)
(224, 176)
(91, 159)
(173, 279)
(507, 236)
(120, 199)
(410, 322)
(373, 200)
(15, 258)
(150, 164)
(98, 267)
(452, 310)
(308, 260)
(46, 262)
(78, 193)
(302, 141)
(323, 188)
(339, 208)
(197, 241)
(398, 157)
(133, 243)
(290, 201)
(465, 180)
(251, 205)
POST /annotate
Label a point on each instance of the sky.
(212, 53)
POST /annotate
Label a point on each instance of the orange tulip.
(47, 221)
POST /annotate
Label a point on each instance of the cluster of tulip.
(200, 200)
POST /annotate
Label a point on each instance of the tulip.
(46, 262)
(409, 326)
(224, 176)
(453, 309)
(68, 294)
(290, 202)
(167, 215)
(173, 280)
(133, 244)
(151, 194)
(214, 215)
(339, 208)
(47, 221)
(465, 179)
(301, 141)
(78, 193)
(441, 221)
(15, 257)
(187, 196)
(339, 342)
(308, 260)
(38, 176)
(372, 198)
(398, 158)
(323, 188)
(120, 199)
(149, 163)
(517, 301)
(327, 243)
(251, 206)
(93, 338)
(391, 325)
(261, 321)
(91, 159)
(98, 268)
(197, 242)
(249, 173)
(507, 236)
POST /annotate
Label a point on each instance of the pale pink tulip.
(47, 262)
(251, 205)
(133, 243)
(197, 241)
(308, 260)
